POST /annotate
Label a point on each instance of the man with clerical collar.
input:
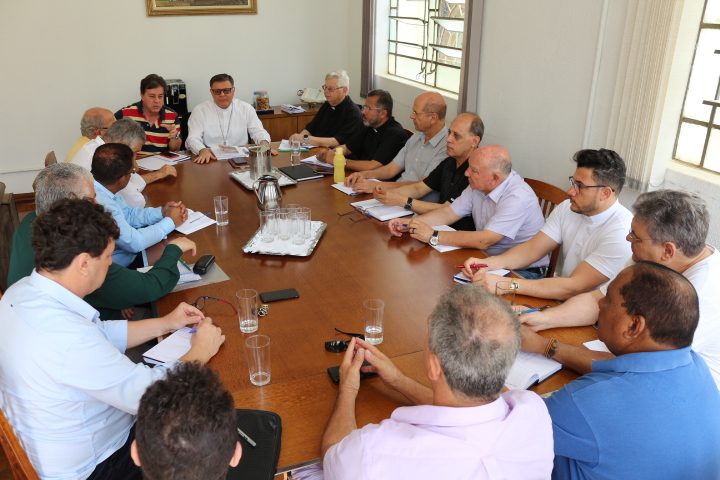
(224, 120)
(380, 138)
(591, 227)
(94, 123)
(161, 123)
(421, 154)
(653, 411)
(338, 119)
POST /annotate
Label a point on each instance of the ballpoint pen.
(474, 265)
(527, 311)
(248, 439)
(199, 218)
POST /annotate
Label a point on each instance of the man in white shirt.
(669, 228)
(591, 227)
(223, 121)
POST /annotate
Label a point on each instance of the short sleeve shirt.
(157, 136)
(450, 181)
(419, 157)
(381, 144)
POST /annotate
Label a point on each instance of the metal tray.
(242, 176)
(276, 247)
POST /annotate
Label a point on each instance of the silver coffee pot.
(267, 190)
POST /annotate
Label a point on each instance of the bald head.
(495, 159)
(96, 121)
(432, 102)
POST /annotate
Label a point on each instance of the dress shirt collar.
(384, 125)
(225, 110)
(440, 136)
(645, 362)
(600, 218)
(452, 416)
(500, 190)
(100, 188)
(63, 296)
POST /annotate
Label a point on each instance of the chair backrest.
(549, 196)
(20, 465)
(409, 133)
(50, 159)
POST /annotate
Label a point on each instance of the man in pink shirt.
(461, 426)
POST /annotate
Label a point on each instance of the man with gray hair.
(130, 133)
(670, 228)
(94, 123)
(462, 426)
(338, 119)
(123, 288)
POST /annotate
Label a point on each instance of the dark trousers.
(119, 465)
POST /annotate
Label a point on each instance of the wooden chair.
(409, 133)
(549, 196)
(50, 159)
(20, 465)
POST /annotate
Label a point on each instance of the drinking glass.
(295, 152)
(221, 210)
(267, 226)
(257, 354)
(298, 228)
(247, 302)
(283, 224)
(374, 311)
(308, 223)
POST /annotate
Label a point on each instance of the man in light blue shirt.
(66, 388)
(140, 228)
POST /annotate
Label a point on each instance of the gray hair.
(126, 131)
(476, 338)
(60, 180)
(342, 78)
(91, 121)
(672, 216)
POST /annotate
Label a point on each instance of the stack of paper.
(376, 209)
(196, 221)
(287, 108)
(223, 152)
(285, 147)
(529, 369)
(170, 349)
(156, 162)
(444, 248)
(186, 274)
(315, 161)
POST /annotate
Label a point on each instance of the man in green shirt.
(123, 288)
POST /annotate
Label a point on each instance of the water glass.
(283, 224)
(374, 311)
(297, 221)
(506, 291)
(267, 226)
(295, 152)
(308, 220)
(247, 302)
(293, 208)
(257, 354)
(221, 210)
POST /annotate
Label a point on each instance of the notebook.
(170, 349)
(382, 212)
(529, 369)
(300, 172)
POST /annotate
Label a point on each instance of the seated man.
(223, 120)
(161, 123)
(462, 426)
(652, 412)
(186, 427)
(591, 226)
(123, 288)
(421, 154)
(339, 118)
(449, 179)
(669, 228)
(378, 141)
(68, 391)
(112, 166)
(130, 133)
(504, 208)
(94, 123)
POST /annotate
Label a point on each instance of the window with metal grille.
(425, 41)
(698, 137)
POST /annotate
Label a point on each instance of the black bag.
(259, 462)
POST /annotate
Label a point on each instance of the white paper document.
(186, 274)
(170, 349)
(223, 152)
(382, 212)
(156, 162)
(285, 147)
(287, 108)
(444, 248)
(530, 368)
(196, 221)
(461, 278)
(597, 346)
(315, 161)
(346, 190)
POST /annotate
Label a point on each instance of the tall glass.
(257, 354)
(308, 221)
(247, 302)
(374, 311)
(295, 152)
(221, 210)
(267, 226)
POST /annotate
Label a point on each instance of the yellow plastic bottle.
(339, 162)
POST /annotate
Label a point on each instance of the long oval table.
(356, 259)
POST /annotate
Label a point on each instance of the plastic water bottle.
(339, 162)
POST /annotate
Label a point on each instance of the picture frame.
(158, 8)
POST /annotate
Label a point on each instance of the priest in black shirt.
(379, 141)
(448, 178)
(339, 118)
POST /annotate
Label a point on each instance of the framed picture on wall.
(157, 8)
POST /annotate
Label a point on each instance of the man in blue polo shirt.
(654, 410)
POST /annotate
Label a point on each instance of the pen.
(248, 439)
(206, 215)
(527, 311)
(399, 224)
(474, 265)
(185, 264)
(195, 329)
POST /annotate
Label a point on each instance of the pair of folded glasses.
(339, 346)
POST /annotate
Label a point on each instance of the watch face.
(433, 241)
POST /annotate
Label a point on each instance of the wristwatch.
(435, 238)
(408, 204)
(551, 348)
(305, 138)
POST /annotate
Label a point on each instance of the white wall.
(61, 57)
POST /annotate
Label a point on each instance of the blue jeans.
(532, 275)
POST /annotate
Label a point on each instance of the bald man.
(505, 209)
(94, 123)
(422, 153)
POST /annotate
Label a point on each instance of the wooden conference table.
(353, 261)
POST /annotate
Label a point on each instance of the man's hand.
(167, 171)
(535, 321)
(533, 342)
(328, 156)
(389, 197)
(176, 211)
(420, 230)
(471, 271)
(353, 178)
(396, 226)
(185, 245)
(127, 313)
(173, 129)
(350, 369)
(207, 339)
(182, 316)
(296, 136)
(204, 156)
(381, 364)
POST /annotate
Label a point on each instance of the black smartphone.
(201, 266)
(268, 297)
(334, 373)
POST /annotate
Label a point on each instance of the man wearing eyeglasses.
(339, 118)
(223, 121)
(379, 140)
(591, 227)
(95, 122)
